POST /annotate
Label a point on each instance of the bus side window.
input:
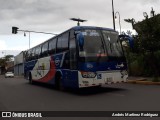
(62, 44)
(27, 55)
(59, 44)
(32, 54)
(44, 49)
(37, 52)
(52, 46)
(65, 41)
(73, 53)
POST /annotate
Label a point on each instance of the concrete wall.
(19, 69)
(19, 64)
(19, 58)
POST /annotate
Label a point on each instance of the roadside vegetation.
(3, 62)
(144, 58)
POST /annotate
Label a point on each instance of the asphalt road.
(16, 94)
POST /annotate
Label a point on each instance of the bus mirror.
(80, 39)
(131, 43)
(128, 38)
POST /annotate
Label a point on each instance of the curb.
(134, 81)
(147, 83)
(143, 82)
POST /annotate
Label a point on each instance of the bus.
(83, 56)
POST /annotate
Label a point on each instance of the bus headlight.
(88, 74)
(124, 72)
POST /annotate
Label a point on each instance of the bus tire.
(30, 78)
(58, 82)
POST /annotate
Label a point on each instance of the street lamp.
(152, 12)
(145, 15)
(4, 52)
(119, 20)
(113, 15)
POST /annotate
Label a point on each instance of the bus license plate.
(109, 79)
(99, 76)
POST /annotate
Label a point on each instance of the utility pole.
(113, 15)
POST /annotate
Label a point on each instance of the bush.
(156, 79)
(139, 64)
(136, 68)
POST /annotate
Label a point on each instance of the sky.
(53, 16)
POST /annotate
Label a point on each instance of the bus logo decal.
(120, 66)
(89, 66)
(57, 61)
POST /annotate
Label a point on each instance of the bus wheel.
(30, 78)
(58, 82)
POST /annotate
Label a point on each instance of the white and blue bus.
(82, 56)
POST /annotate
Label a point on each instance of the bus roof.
(77, 28)
(92, 27)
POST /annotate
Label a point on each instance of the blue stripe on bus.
(70, 78)
(101, 66)
(30, 65)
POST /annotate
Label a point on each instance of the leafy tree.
(5, 59)
(2, 62)
(8, 57)
(132, 21)
(147, 43)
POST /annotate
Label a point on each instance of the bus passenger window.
(27, 55)
(73, 53)
(52, 46)
(59, 44)
(32, 54)
(44, 49)
(37, 51)
(62, 44)
(65, 41)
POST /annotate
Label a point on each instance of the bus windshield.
(92, 44)
(96, 43)
(112, 42)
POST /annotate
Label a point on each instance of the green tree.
(147, 43)
(5, 59)
(8, 57)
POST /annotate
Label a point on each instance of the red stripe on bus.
(50, 74)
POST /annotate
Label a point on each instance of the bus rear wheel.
(58, 82)
(30, 79)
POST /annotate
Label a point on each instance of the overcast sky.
(53, 16)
